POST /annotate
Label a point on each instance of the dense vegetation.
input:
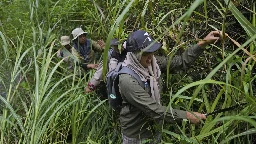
(41, 102)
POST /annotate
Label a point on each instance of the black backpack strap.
(127, 70)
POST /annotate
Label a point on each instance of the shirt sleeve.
(97, 77)
(135, 95)
(183, 61)
(96, 46)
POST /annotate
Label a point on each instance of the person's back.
(142, 110)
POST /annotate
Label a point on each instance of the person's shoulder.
(127, 79)
(128, 83)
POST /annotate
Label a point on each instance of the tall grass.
(45, 103)
(232, 93)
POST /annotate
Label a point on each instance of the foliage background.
(42, 103)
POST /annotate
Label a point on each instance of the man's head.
(65, 41)
(79, 34)
(140, 43)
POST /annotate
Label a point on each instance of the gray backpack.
(114, 96)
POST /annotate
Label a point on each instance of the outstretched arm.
(179, 62)
(188, 57)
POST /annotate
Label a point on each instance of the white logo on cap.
(146, 34)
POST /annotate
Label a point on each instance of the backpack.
(114, 96)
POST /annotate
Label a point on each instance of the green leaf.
(248, 132)
(248, 27)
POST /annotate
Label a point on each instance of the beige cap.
(77, 32)
(64, 40)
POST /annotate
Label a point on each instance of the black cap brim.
(153, 48)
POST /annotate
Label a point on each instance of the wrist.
(202, 43)
(187, 115)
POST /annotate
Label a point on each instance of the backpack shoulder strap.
(126, 70)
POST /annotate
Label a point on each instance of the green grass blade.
(248, 132)
(111, 33)
(248, 27)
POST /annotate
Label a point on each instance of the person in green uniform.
(141, 111)
(86, 48)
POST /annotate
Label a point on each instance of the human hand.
(87, 90)
(195, 117)
(212, 37)
(92, 66)
(101, 43)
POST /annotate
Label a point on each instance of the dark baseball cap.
(141, 40)
(114, 42)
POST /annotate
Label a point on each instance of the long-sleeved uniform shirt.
(140, 112)
(86, 51)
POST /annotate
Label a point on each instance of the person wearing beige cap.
(67, 52)
(86, 47)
